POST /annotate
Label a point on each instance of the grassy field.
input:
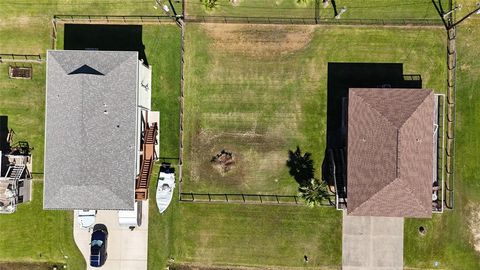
(245, 235)
(34, 235)
(261, 91)
(452, 236)
(366, 9)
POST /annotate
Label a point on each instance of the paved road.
(372, 243)
(127, 250)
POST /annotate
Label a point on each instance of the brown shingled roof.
(390, 152)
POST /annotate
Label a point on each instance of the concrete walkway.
(372, 243)
(127, 250)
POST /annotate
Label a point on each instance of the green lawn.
(259, 91)
(162, 47)
(23, 101)
(34, 235)
(258, 235)
(246, 235)
(449, 239)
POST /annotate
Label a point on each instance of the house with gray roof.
(97, 114)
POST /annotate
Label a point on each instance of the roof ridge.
(374, 194)
(416, 109)
(371, 107)
(52, 56)
(410, 191)
(120, 63)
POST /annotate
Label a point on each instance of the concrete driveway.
(127, 250)
(372, 243)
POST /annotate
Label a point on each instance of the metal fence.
(134, 19)
(450, 118)
(243, 198)
(312, 21)
(20, 58)
(113, 19)
(440, 153)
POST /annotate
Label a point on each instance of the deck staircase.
(143, 179)
(14, 174)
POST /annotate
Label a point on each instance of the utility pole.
(448, 19)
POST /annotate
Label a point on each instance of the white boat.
(165, 187)
(86, 218)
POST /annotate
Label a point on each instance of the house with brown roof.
(391, 152)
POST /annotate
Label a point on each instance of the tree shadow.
(342, 77)
(105, 38)
(301, 166)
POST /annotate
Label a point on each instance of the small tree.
(315, 193)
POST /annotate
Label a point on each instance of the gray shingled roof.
(91, 130)
(390, 152)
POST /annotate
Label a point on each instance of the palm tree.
(315, 193)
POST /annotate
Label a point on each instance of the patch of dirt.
(223, 162)
(474, 224)
(259, 40)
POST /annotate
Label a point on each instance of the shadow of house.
(342, 77)
(105, 38)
